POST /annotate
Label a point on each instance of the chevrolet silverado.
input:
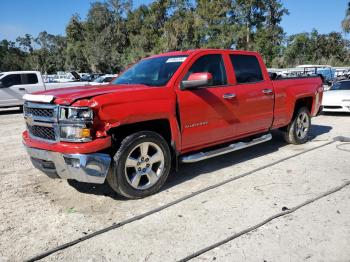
(176, 107)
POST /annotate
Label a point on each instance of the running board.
(224, 150)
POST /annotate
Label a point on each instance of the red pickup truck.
(166, 109)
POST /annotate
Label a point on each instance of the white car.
(103, 80)
(15, 84)
(337, 98)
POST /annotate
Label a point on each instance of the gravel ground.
(38, 213)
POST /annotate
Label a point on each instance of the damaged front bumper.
(89, 168)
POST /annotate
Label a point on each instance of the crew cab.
(176, 107)
(14, 84)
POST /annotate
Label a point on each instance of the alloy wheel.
(302, 125)
(144, 165)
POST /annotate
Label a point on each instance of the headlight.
(71, 133)
(75, 113)
(346, 100)
(75, 124)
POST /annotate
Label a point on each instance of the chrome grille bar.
(42, 121)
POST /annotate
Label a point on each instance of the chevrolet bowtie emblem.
(30, 121)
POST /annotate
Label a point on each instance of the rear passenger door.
(254, 94)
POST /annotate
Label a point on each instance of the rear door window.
(247, 68)
(29, 79)
(11, 80)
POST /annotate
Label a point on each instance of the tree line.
(114, 35)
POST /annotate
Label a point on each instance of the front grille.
(41, 120)
(43, 132)
(39, 112)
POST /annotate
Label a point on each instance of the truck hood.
(67, 96)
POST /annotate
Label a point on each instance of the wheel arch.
(307, 101)
(163, 127)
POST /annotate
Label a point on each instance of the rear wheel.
(297, 132)
(141, 165)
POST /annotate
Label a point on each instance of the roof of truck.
(199, 50)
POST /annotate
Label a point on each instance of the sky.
(19, 17)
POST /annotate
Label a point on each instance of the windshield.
(343, 85)
(152, 72)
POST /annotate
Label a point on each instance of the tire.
(138, 172)
(297, 132)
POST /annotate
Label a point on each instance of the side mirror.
(197, 80)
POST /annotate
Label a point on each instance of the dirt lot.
(38, 214)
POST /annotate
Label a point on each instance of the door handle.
(267, 91)
(229, 96)
(22, 89)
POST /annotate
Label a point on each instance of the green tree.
(346, 21)
(249, 16)
(145, 27)
(180, 28)
(106, 35)
(269, 38)
(317, 48)
(26, 43)
(11, 57)
(75, 52)
(212, 24)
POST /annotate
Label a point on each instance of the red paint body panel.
(198, 118)
(200, 76)
(288, 91)
(69, 148)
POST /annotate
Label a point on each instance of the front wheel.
(297, 132)
(141, 165)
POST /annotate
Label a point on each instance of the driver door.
(206, 114)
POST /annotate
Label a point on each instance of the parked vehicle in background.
(91, 77)
(103, 80)
(342, 73)
(15, 84)
(63, 77)
(337, 98)
(327, 72)
(175, 107)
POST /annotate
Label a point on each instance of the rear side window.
(210, 64)
(247, 68)
(10, 80)
(29, 79)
